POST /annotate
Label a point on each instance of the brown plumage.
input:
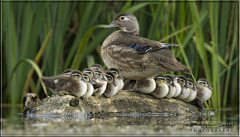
(137, 57)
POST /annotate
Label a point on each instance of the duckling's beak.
(210, 87)
(120, 77)
(194, 88)
(83, 79)
(168, 85)
(186, 85)
(114, 83)
(94, 77)
(90, 81)
(104, 79)
(112, 25)
(173, 84)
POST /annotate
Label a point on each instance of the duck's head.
(87, 77)
(126, 22)
(191, 84)
(160, 79)
(182, 80)
(115, 72)
(100, 75)
(170, 79)
(203, 83)
(111, 78)
(97, 67)
(90, 72)
(77, 75)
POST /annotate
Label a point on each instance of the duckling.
(112, 87)
(97, 67)
(178, 87)
(119, 79)
(193, 90)
(136, 57)
(75, 84)
(172, 86)
(102, 80)
(90, 88)
(185, 92)
(146, 85)
(162, 88)
(204, 90)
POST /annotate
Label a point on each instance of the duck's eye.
(85, 77)
(89, 72)
(121, 18)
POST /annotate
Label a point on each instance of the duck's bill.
(194, 88)
(90, 81)
(112, 25)
(210, 87)
(173, 84)
(83, 79)
(94, 77)
(186, 85)
(104, 79)
(114, 83)
(120, 77)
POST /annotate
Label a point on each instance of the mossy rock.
(123, 102)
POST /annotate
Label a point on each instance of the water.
(216, 122)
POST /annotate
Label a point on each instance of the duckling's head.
(170, 79)
(126, 22)
(111, 78)
(100, 75)
(182, 80)
(90, 72)
(97, 67)
(67, 72)
(115, 72)
(203, 83)
(77, 75)
(87, 77)
(191, 83)
(160, 79)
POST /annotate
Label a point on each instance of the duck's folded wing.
(140, 44)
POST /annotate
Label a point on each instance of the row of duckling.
(91, 81)
(172, 86)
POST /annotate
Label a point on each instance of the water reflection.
(220, 121)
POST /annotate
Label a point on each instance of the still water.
(214, 122)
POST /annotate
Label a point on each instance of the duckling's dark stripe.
(138, 47)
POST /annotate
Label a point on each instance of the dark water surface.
(215, 122)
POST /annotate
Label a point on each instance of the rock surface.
(123, 102)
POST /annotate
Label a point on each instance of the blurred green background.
(45, 38)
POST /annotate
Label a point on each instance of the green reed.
(54, 36)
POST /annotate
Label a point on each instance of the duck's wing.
(140, 44)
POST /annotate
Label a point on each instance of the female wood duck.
(162, 88)
(112, 87)
(204, 90)
(90, 88)
(193, 90)
(103, 81)
(185, 92)
(75, 84)
(119, 79)
(137, 57)
(172, 86)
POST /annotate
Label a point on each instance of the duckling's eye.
(89, 72)
(182, 80)
(85, 77)
(114, 72)
(121, 18)
(204, 82)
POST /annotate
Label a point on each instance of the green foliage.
(54, 36)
